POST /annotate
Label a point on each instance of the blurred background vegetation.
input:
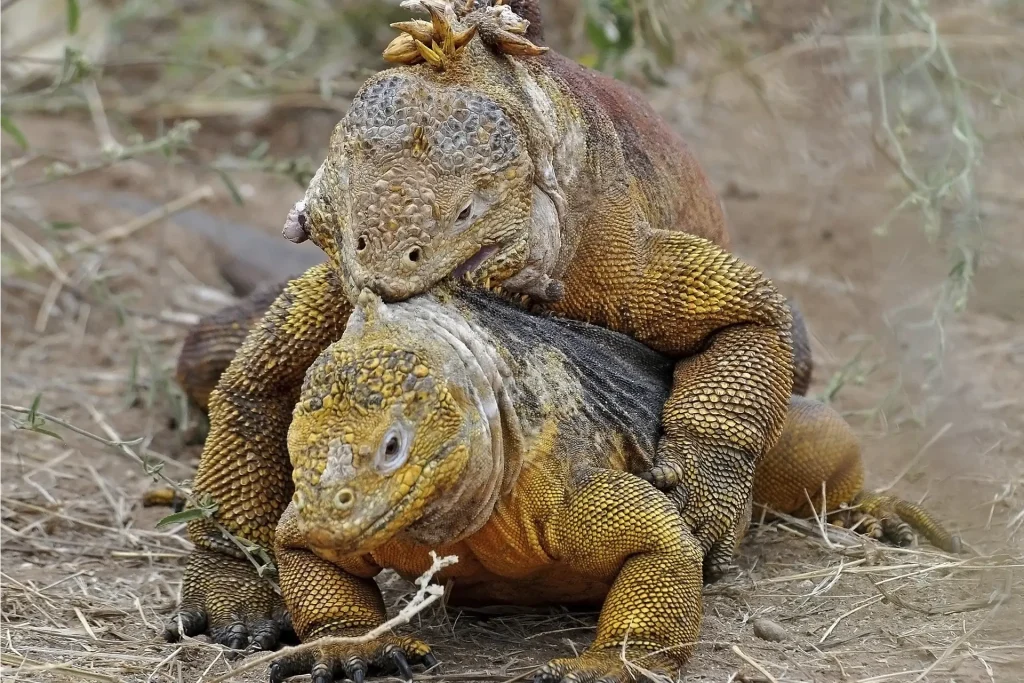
(238, 87)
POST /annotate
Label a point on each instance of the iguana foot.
(711, 489)
(605, 666)
(894, 520)
(225, 598)
(329, 663)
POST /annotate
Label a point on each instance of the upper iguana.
(513, 166)
(458, 422)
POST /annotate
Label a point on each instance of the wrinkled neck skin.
(471, 361)
(559, 149)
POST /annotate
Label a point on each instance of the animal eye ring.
(393, 449)
(466, 212)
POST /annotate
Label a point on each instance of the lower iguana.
(459, 423)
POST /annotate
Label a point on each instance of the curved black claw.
(192, 623)
(234, 635)
(429, 660)
(265, 634)
(401, 663)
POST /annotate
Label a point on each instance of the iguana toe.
(664, 477)
(187, 622)
(603, 666)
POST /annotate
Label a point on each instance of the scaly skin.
(460, 423)
(626, 383)
(538, 176)
(817, 445)
(535, 175)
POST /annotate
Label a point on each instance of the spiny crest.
(440, 40)
(370, 311)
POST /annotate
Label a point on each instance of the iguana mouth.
(475, 261)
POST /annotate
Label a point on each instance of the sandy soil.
(88, 579)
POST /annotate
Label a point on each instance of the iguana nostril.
(344, 499)
(414, 254)
(361, 243)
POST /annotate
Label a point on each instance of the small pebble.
(766, 629)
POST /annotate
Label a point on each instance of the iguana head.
(429, 173)
(399, 430)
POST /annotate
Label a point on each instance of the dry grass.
(104, 265)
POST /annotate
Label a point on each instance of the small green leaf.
(73, 15)
(62, 225)
(183, 516)
(230, 184)
(12, 130)
(47, 432)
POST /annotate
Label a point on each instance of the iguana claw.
(225, 598)
(602, 667)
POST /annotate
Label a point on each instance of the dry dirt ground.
(91, 326)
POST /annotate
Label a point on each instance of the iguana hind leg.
(818, 446)
(211, 344)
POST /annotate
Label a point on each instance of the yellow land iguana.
(457, 422)
(501, 161)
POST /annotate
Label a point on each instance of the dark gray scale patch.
(625, 384)
(465, 131)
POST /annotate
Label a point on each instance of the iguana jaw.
(421, 371)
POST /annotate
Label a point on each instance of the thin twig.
(159, 213)
(752, 662)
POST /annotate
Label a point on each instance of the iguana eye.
(465, 213)
(393, 450)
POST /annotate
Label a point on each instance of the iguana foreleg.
(324, 601)
(617, 528)
(731, 328)
(245, 469)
